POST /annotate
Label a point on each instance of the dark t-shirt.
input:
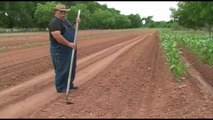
(57, 25)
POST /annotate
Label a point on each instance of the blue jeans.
(61, 58)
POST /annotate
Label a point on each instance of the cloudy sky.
(158, 9)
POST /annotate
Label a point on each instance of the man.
(61, 34)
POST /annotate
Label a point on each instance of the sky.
(158, 9)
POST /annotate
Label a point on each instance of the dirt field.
(120, 74)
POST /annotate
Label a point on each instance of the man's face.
(61, 14)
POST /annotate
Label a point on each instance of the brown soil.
(120, 74)
(205, 70)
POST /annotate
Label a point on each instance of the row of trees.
(38, 14)
(93, 16)
(195, 15)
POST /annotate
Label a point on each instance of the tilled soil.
(119, 74)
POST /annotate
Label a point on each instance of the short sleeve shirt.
(56, 25)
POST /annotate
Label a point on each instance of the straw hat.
(61, 7)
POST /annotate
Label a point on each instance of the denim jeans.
(61, 58)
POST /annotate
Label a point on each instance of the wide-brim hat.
(61, 7)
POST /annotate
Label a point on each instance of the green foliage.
(200, 44)
(93, 15)
(177, 66)
(102, 19)
(196, 15)
(44, 13)
(135, 20)
(85, 15)
(175, 26)
(17, 14)
(122, 21)
(148, 22)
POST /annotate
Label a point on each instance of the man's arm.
(59, 38)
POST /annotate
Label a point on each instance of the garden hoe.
(71, 63)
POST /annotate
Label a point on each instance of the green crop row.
(201, 45)
(177, 66)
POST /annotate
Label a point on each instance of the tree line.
(37, 14)
(195, 15)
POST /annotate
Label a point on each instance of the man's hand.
(72, 45)
(59, 38)
(77, 20)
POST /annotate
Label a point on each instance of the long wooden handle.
(72, 57)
